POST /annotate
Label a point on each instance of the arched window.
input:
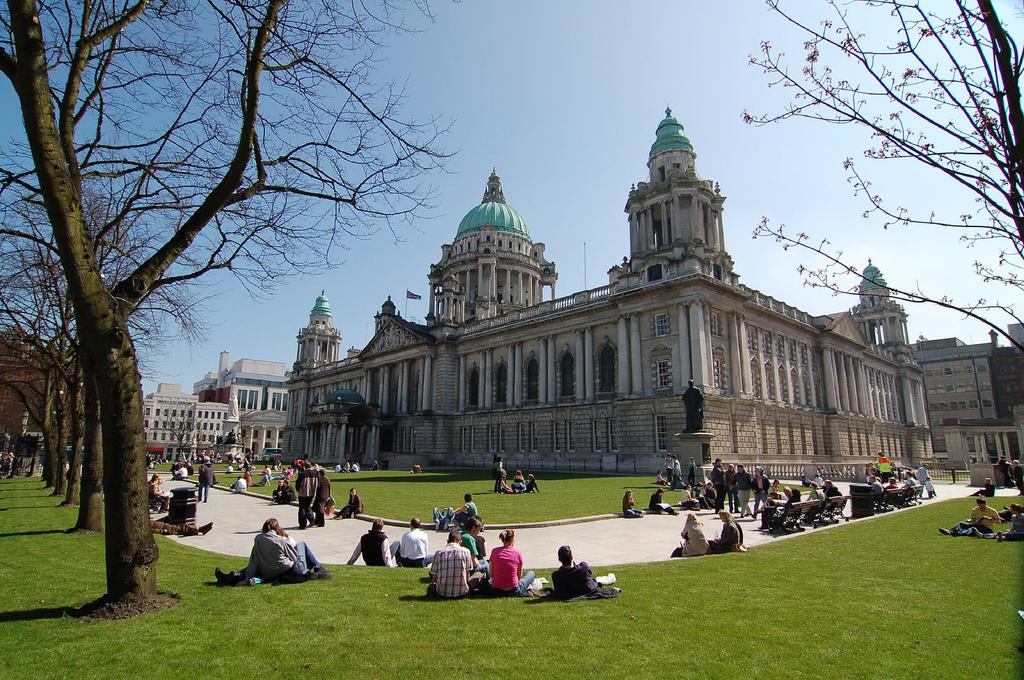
(567, 371)
(473, 390)
(769, 378)
(532, 380)
(755, 377)
(501, 384)
(606, 370)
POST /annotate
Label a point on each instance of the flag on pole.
(409, 295)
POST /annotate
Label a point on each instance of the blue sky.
(563, 99)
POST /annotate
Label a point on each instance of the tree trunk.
(61, 450)
(75, 457)
(131, 552)
(47, 427)
(90, 506)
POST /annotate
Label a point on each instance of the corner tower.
(675, 217)
(319, 342)
(882, 321)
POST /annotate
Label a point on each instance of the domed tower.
(675, 217)
(883, 322)
(493, 266)
(319, 342)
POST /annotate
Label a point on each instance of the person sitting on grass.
(506, 566)
(983, 518)
(470, 533)
(687, 501)
(240, 485)
(731, 538)
(628, 501)
(413, 550)
(573, 580)
(167, 529)
(660, 479)
(708, 498)
(248, 479)
(266, 477)
(353, 507)
(519, 482)
(156, 490)
(284, 493)
(373, 547)
(450, 569)
(988, 490)
(416, 469)
(657, 504)
(531, 484)
(275, 556)
(694, 542)
(1016, 532)
(503, 486)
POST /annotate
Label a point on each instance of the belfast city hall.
(593, 380)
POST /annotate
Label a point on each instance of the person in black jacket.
(718, 481)
(830, 489)
(731, 538)
(206, 480)
(284, 493)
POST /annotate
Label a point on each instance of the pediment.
(390, 337)
(844, 326)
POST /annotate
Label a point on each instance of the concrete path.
(237, 519)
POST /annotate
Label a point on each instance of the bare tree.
(241, 136)
(941, 88)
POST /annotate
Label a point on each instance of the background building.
(594, 379)
(177, 423)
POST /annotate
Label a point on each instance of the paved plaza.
(238, 518)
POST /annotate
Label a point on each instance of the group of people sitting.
(519, 483)
(349, 466)
(984, 517)
(695, 543)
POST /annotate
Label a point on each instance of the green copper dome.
(322, 306)
(873, 279)
(493, 212)
(345, 396)
(670, 136)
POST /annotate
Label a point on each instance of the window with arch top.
(532, 380)
(567, 372)
(606, 369)
(473, 389)
(501, 384)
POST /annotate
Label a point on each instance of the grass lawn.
(401, 495)
(882, 598)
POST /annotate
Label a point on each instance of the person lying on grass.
(167, 529)
(275, 556)
(983, 518)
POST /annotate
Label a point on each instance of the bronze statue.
(693, 400)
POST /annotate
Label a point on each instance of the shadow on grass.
(38, 614)
(41, 532)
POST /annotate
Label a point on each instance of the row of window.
(186, 413)
(506, 437)
(566, 378)
(954, 405)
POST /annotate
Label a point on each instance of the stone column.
(699, 347)
(520, 291)
(462, 382)
(517, 384)
(622, 354)
(922, 411)
(510, 375)
(831, 378)
(800, 373)
(428, 384)
(785, 364)
(494, 281)
(263, 439)
(748, 378)
(682, 348)
(636, 370)
(508, 285)
(851, 384)
(402, 376)
(431, 308)
(588, 361)
(909, 402)
(343, 446)
(386, 388)
(578, 356)
(844, 393)
(735, 383)
(488, 400)
(862, 401)
(552, 381)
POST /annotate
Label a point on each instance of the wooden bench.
(832, 511)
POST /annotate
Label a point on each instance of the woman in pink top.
(506, 566)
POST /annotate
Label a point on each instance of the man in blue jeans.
(206, 480)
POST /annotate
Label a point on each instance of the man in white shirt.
(413, 550)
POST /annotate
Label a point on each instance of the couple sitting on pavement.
(276, 557)
(442, 520)
(696, 544)
(284, 493)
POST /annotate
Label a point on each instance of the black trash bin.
(862, 501)
(183, 505)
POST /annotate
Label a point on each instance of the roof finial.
(668, 111)
(323, 291)
(869, 261)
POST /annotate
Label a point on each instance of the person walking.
(677, 473)
(743, 483)
(306, 487)
(498, 472)
(206, 479)
(691, 472)
(760, 485)
(730, 487)
(718, 482)
(323, 498)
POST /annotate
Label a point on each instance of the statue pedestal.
(232, 452)
(697, 445)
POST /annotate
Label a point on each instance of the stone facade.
(594, 380)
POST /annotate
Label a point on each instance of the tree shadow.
(41, 532)
(423, 598)
(39, 614)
